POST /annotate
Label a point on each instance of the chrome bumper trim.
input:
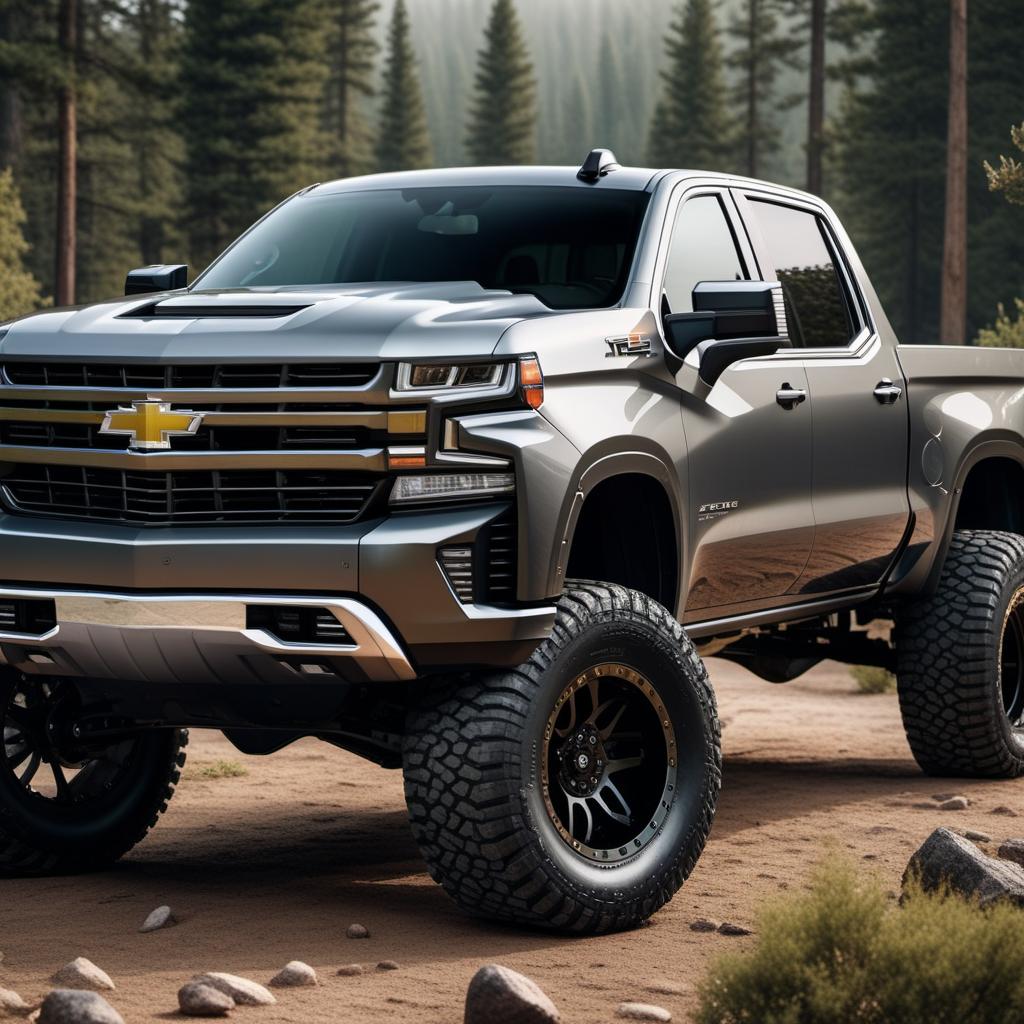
(374, 646)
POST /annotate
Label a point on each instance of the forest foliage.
(196, 118)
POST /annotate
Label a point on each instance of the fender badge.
(628, 345)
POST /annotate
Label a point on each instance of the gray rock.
(669, 988)
(197, 999)
(498, 995)
(162, 917)
(704, 924)
(955, 803)
(387, 965)
(74, 1006)
(295, 975)
(357, 931)
(83, 974)
(1004, 811)
(946, 858)
(242, 990)
(11, 1004)
(729, 928)
(350, 970)
(976, 837)
(643, 1011)
(1013, 849)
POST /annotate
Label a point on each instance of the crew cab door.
(749, 463)
(861, 509)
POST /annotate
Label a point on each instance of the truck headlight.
(445, 486)
(436, 376)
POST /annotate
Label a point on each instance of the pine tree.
(891, 155)
(762, 49)
(19, 290)
(1008, 177)
(502, 126)
(252, 78)
(351, 51)
(403, 142)
(691, 125)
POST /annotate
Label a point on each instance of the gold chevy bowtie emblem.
(151, 424)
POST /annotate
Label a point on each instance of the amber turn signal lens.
(531, 382)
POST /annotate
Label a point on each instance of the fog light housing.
(445, 486)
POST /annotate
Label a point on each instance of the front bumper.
(166, 606)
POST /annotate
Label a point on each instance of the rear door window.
(817, 304)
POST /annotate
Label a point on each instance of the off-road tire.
(472, 777)
(949, 652)
(38, 837)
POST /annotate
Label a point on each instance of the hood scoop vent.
(209, 311)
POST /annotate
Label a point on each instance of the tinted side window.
(703, 249)
(816, 304)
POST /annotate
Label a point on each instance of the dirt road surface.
(274, 866)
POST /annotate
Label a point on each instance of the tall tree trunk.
(67, 137)
(816, 99)
(752, 68)
(953, 318)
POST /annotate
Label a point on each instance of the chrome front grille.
(219, 375)
(297, 442)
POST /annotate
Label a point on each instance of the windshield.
(570, 247)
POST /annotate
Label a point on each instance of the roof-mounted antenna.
(599, 162)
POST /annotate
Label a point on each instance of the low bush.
(218, 770)
(872, 679)
(1007, 332)
(841, 954)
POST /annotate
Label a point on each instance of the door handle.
(886, 392)
(789, 397)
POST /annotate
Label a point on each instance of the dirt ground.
(273, 866)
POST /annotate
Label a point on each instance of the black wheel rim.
(1011, 663)
(41, 757)
(609, 765)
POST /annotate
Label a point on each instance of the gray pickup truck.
(463, 471)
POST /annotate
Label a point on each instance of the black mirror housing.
(156, 278)
(731, 320)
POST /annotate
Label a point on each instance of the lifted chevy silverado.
(463, 471)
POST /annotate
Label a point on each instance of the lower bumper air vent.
(33, 618)
(298, 625)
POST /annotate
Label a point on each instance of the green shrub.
(1007, 332)
(841, 954)
(219, 770)
(872, 679)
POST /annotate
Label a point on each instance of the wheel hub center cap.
(582, 760)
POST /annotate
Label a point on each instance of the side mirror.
(156, 278)
(732, 320)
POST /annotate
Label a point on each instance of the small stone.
(12, 1004)
(976, 837)
(83, 974)
(162, 917)
(387, 965)
(74, 1006)
(350, 970)
(242, 990)
(728, 928)
(1013, 849)
(197, 999)
(955, 803)
(669, 988)
(295, 975)
(357, 931)
(1006, 812)
(705, 924)
(942, 797)
(643, 1011)
(499, 994)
